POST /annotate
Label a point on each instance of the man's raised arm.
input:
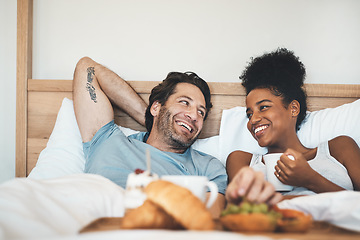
(95, 87)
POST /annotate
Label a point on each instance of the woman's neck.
(290, 142)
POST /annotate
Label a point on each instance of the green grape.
(263, 208)
(256, 208)
(246, 207)
(233, 208)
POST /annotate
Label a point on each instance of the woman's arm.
(218, 205)
(235, 161)
(347, 152)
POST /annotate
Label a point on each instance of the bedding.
(59, 208)
(339, 208)
(56, 207)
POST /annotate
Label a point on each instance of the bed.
(42, 103)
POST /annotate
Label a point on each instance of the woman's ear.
(155, 108)
(295, 108)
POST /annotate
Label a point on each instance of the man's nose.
(192, 113)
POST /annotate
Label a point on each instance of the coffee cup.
(270, 160)
(198, 185)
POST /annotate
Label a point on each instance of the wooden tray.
(318, 231)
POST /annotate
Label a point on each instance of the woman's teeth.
(260, 128)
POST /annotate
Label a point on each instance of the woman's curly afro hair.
(281, 72)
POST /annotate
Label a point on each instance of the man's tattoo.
(89, 86)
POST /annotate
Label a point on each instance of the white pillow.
(318, 126)
(208, 145)
(64, 155)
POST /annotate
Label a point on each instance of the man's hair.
(281, 72)
(166, 88)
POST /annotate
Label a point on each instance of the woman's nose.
(255, 118)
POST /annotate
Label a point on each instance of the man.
(174, 118)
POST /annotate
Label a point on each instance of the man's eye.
(184, 102)
(202, 113)
(248, 115)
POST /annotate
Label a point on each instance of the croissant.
(181, 204)
(149, 216)
(169, 206)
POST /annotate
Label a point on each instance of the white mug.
(198, 185)
(270, 160)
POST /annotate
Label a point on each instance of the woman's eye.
(263, 107)
(185, 102)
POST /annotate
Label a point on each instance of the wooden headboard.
(38, 101)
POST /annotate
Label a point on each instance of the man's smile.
(185, 125)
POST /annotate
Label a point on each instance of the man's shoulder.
(200, 154)
(138, 136)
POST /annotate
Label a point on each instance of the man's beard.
(165, 125)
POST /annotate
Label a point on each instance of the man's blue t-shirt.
(113, 155)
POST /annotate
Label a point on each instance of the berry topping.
(138, 171)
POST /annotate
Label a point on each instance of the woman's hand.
(251, 185)
(296, 171)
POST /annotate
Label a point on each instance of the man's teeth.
(260, 128)
(185, 125)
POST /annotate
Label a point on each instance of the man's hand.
(251, 185)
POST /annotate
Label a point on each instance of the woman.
(276, 107)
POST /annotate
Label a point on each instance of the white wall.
(7, 88)
(145, 39)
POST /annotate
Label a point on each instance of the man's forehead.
(184, 86)
(189, 90)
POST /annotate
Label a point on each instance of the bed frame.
(38, 101)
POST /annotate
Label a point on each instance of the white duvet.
(58, 208)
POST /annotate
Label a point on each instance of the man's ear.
(295, 108)
(155, 108)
